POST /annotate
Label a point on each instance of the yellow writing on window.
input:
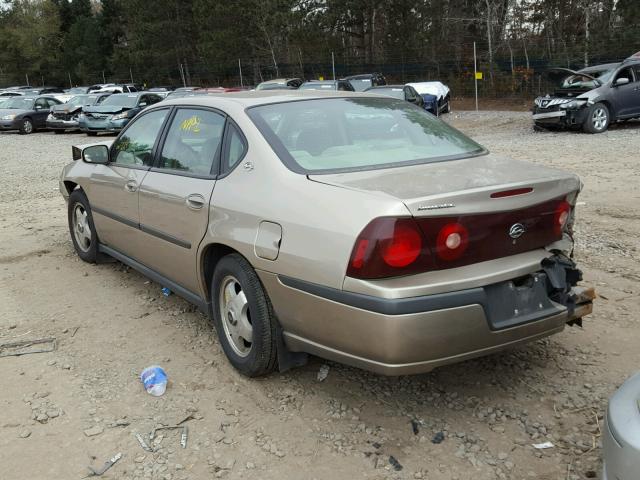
(191, 124)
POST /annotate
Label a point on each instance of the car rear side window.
(235, 148)
(134, 147)
(193, 141)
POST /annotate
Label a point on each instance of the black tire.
(58, 132)
(261, 356)
(92, 134)
(447, 108)
(26, 126)
(86, 250)
(598, 119)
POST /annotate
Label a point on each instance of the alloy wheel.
(27, 126)
(81, 228)
(235, 315)
(599, 119)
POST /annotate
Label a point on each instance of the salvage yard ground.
(81, 404)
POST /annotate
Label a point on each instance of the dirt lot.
(78, 406)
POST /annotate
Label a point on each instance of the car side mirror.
(98, 154)
(621, 81)
(39, 107)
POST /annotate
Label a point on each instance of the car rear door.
(113, 188)
(175, 194)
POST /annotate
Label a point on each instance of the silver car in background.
(621, 436)
(352, 226)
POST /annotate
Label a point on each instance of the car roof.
(249, 99)
(596, 68)
(362, 76)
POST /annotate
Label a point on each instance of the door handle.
(131, 186)
(195, 201)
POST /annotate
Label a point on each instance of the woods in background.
(203, 41)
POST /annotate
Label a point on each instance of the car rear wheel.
(58, 132)
(92, 134)
(598, 119)
(243, 317)
(26, 127)
(81, 227)
(447, 107)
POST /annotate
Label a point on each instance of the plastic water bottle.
(154, 380)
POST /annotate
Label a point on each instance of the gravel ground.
(78, 406)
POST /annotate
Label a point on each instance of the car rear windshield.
(360, 84)
(121, 100)
(20, 103)
(346, 134)
(318, 86)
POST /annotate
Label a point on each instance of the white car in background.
(436, 96)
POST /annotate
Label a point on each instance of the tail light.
(391, 247)
(561, 217)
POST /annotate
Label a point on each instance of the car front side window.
(193, 141)
(135, 146)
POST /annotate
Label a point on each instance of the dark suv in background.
(591, 98)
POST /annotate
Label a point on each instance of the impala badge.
(516, 230)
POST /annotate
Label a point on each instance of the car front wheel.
(598, 119)
(26, 127)
(243, 317)
(81, 227)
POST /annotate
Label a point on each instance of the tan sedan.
(355, 227)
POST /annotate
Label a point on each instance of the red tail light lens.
(389, 247)
(452, 241)
(404, 247)
(561, 217)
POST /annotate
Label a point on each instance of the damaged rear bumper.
(398, 336)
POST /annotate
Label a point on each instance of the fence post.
(475, 73)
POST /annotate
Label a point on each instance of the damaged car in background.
(590, 99)
(408, 245)
(64, 117)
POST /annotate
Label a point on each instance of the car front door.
(41, 107)
(626, 97)
(113, 188)
(175, 194)
(636, 90)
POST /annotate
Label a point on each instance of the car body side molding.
(188, 295)
(151, 231)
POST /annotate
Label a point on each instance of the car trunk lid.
(460, 187)
(497, 207)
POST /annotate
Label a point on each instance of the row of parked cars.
(434, 97)
(109, 107)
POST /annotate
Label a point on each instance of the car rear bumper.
(407, 335)
(621, 433)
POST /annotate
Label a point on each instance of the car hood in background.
(438, 89)
(65, 108)
(558, 74)
(460, 186)
(106, 109)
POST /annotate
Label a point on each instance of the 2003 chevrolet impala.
(355, 227)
